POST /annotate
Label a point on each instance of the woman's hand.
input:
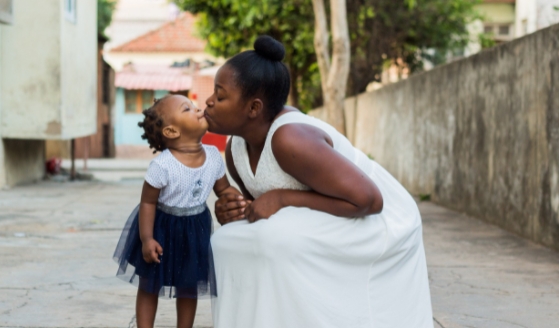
(230, 207)
(151, 250)
(264, 206)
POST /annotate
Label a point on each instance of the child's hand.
(151, 251)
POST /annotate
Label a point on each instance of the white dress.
(303, 268)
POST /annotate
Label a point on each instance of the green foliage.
(231, 26)
(381, 31)
(422, 29)
(105, 10)
(424, 197)
(486, 40)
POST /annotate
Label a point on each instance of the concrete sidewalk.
(57, 239)
(110, 169)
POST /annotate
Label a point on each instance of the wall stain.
(54, 128)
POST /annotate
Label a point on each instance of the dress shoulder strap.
(289, 118)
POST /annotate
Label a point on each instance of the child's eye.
(186, 109)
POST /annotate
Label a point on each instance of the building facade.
(48, 72)
(505, 20)
(168, 59)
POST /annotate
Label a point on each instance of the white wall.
(48, 83)
(31, 71)
(533, 15)
(547, 16)
(526, 17)
(49, 71)
(2, 165)
(79, 71)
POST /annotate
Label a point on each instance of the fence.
(480, 135)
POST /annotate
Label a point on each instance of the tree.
(380, 31)
(405, 31)
(105, 10)
(232, 26)
(333, 71)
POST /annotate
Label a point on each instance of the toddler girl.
(164, 248)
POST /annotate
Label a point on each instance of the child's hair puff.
(153, 127)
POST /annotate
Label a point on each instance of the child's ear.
(170, 132)
(256, 108)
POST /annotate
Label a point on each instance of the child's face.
(179, 112)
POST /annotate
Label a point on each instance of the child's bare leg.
(146, 307)
(186, 310)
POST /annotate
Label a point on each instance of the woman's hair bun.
(269, 48)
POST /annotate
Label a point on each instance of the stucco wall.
(78, 55)
(49, 71)
(31, 71)
(12, 171)
(480, 135)
(2, 166)
(127, 131)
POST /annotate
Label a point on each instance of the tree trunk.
(333, 74)
(321, 42)
(294, 92)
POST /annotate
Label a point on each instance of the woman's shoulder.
(294, 116)
(293, 121)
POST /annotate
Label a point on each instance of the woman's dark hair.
(153, 127)
(260, 72)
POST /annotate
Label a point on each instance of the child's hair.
(153, 126)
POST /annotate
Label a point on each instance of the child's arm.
(222, 187)
(151, 249)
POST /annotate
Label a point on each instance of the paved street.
(57, 239)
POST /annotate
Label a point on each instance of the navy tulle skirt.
(186, 269)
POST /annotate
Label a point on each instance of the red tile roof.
(153, 77)
(175, 36)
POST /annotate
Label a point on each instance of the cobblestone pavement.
(57, 239)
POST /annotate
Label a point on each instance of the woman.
(341, 245)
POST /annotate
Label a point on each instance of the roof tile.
(174, 36)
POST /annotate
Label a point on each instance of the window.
(70, 10)
(137, 100)
(6, 10)
(504, 30)
(499, 32)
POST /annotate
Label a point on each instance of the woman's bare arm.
(339, 187)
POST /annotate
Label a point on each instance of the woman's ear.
(170, 132)
(256, 108)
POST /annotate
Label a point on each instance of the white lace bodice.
(269, 175)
